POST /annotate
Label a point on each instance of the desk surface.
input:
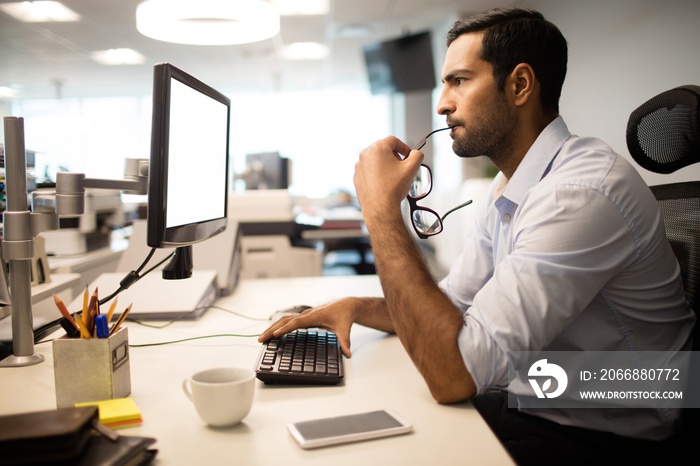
(379, 375)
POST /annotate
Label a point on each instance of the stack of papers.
(117, 413)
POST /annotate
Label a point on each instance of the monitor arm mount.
(70, 187)
(70, 200)
(20, 226)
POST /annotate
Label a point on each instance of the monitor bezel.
(158, 235)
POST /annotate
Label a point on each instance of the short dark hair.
(513, 36)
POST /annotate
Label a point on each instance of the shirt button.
(506, 217)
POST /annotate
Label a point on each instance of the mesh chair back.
(680, 208)
(663, 135)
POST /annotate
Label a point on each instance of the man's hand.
(383, 176)
(337, 317)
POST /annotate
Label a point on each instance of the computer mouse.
(291, 311)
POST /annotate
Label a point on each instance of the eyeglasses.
(426, 222)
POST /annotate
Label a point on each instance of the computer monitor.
(404, 64)
(266, 170)
(188, 172)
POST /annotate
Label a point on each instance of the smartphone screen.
(348, 428)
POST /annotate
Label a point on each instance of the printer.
(271, 237)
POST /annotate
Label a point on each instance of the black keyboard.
(303, 356)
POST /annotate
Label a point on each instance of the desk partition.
(380, 375)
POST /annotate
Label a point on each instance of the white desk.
(379, 375)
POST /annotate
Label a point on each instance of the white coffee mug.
(222, 396)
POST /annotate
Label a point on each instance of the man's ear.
(522, 84)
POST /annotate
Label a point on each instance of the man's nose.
(444, 106)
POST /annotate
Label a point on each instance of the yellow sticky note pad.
(119, 412)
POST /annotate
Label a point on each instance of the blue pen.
(101, 326)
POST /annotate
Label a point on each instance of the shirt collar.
(537, 160)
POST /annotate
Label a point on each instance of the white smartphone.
(348, 428)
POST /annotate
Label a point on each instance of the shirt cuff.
(481, 356)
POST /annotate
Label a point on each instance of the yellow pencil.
(84, 315)
(120, 320)
(111, 310)
(84, 332)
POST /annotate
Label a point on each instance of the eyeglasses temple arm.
(456, 208)
(419, 145)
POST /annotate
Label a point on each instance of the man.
(568, 252)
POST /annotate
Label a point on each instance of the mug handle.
(186, 388)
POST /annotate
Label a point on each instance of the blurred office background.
(319, 112)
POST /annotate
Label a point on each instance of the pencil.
(84, 332)
(111, 310)
(64, 311)
(92, 308)
(120, 320)
(93, 300)
(84, 315)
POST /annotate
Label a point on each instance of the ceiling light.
(207, 22)
(301, 7)
(305, 51)
(39, 12)
(118, 57)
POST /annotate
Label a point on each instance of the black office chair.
(663, 135)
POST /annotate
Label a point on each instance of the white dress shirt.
(570, 254)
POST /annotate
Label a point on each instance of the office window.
(91, 135)
(322, 132)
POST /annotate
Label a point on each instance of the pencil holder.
(91, 369)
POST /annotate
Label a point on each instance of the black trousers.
(533, 441)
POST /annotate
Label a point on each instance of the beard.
(490, 134)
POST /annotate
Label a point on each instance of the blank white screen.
(196, 157)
